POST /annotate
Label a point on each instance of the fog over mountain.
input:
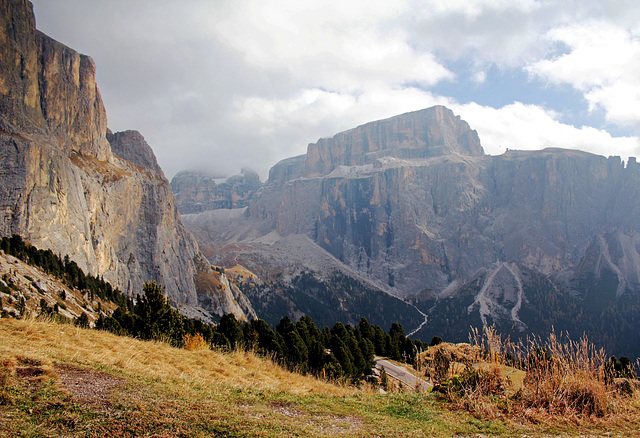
(222, 85)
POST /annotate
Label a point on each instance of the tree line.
(343, 351)
(340, 352)
(64, 269)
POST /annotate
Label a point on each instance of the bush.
(564, 380)
(82, 321)
(195, 342)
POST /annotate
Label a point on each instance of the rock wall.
(63, 186)
(132, 146)
(197, 192)
(430, 132)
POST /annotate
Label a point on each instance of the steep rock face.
(496, 237)
(48, 88)
(287, 169)
(132, 146)
(61, 185)
(426, 133)
(430, 221)
(196, 192)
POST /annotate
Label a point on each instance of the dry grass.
(109, 171)
(553, 382)
(105, 385)
(59, 380)
(239, 272)
(69, 344)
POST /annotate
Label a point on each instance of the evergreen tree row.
(64, 269)
(340, 352)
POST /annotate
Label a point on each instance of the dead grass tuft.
(564, 381)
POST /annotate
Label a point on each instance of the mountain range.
(398, 220)
(411, 206)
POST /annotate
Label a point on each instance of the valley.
(506, 286)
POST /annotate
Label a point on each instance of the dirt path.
(89, 386)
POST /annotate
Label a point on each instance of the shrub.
(195, 342)
(564, 379)
(82, 321)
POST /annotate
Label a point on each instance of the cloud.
(531, 127)
(236, 83)
(603, 62)
(331, 45)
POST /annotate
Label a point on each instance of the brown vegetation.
(61, 380)
(195, 342)
(555, 381)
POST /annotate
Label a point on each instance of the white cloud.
(531, 127)
(480, 77)
(603, 62)
(330, 45)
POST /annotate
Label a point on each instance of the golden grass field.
(59, 380)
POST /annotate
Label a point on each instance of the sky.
(217, 85)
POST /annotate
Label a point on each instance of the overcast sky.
(218, 85)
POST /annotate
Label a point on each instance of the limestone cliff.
(412, 206)
(196, 191)
(132, 146)
(68, 186)
(420, 134)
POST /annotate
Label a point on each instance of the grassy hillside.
(60, 380)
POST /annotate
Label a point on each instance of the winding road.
(402, 374)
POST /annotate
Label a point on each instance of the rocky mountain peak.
(426, 133)
(132, 146)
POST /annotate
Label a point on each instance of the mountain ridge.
(432, 224)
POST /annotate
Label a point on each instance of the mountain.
(413, 207)
(197, 191)
(70, 185)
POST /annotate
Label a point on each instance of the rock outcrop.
(196, 192)
(431, 132)
(67, 185)
(132, 146)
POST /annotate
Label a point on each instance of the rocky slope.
(68, 184)
(23, 287)
(412, 206)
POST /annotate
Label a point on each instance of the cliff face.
(197, 192)
(412, 206)
(68, 186)
(431, 132)
(131, 146)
